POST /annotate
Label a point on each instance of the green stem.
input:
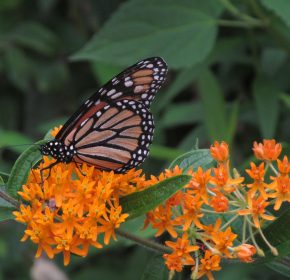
(9, 199)
(230, 221)
(238, 14)
(144, 242)
(237, 23)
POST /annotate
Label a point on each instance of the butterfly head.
(58, 150)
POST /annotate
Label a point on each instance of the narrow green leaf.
(278, 234)
(213, 106)
(140, 203)
(181, 114)
(183, 32)
(280, 7)
(272, 60)
(155, 269)
(34, 36)
(6, 213)
(14, 140)
(232, 122)
(194, 159)
(281, 266)
(4, 176)
(21, 168)
(285, 97)
(266, 97)
(164, 153)
(183, 79)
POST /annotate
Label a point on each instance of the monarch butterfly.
(114, 128)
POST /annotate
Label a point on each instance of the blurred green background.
(229, 80)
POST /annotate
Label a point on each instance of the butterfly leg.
(45, 168)
(78, 168)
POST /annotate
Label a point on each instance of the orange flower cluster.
(73, 206)
(217, 191)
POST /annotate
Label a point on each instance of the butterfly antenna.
(19, 145)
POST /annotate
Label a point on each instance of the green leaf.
(141, 202)
(286, 99)
(155, 269)
(194, 159)
(281, 266)
(35, 36)
(164, 153)
(213, 106)
(278, 234)
(181, 114)
(183, 79)
(232, 122)
(280, 7)
(4, 177)
(183, 32)
(14, 140)
(6, 213)
(104, 72)
(272, 60)
(266, 98)
(21, 168)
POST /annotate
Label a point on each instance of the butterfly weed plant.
(209, 214)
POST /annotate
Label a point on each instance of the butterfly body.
(114, 128)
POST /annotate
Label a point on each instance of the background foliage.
(229, 80)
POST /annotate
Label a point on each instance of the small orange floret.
(245, 252)
(269, 150)
(283, 165)
(256, 208)
(55, 130)
(220, 151)
(219, 203)
(209, 263)
(281, 187)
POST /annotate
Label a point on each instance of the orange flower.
(220, 151)
(69, 211)
(223, 240)
(163, 221)
(283, 166)
(245, 252)
(173, 262)
(222, 181)
(182, 246)
(281, 186)
(198, 184)
(256, 208)
(191, 211)
(268, 151)
(257, 173)
(219, 203)
(208, 264)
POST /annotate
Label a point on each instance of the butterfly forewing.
(113, 129)
(139, 82)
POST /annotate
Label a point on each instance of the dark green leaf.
(213, 106)
(155, 269)
(193, 160)
(286, 99)
(282, 266)
(34, 36)
(183, 32)
(142, 202)
(21, 168)
(4, 177)
(278, 234)
(280, 8)
(267, 97)
(272, 60)
(104, 72)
